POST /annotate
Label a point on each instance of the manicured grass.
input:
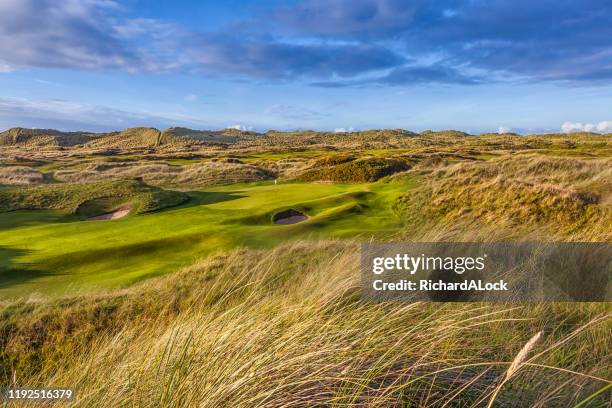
(52, 253)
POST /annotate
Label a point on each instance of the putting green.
(53, 253)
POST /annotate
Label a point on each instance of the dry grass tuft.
(20, 175)
(162, 174)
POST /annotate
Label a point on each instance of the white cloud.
(4, 67)
(241, 127)
(343, 130)
(503, 129)
(601, 127)
(191, 98)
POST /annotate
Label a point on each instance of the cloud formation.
(349, 18)
(331, 43)
(267, 58)
(601, 127)
(64, 34)
(543, 40)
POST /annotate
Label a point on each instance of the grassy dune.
(515, 198)
(209, 303)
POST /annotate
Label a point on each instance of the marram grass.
(286, 327)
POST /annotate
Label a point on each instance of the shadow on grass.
(12, 273)
(210, 197)
(28, 218)
(139, 250)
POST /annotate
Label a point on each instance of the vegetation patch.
(167, 175)
(358, 171)
(20, 175)
(333, 160)
(89, 199)
(509, 194)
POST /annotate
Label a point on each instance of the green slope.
(53, 253)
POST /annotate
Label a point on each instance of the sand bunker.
(118, 213)
(289, 217)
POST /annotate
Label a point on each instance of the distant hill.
(444, 133)
(207, 136)
(366, 138)
(139, 137)
(44, 137)
(146, 137)
(128, 139)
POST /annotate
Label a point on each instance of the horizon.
(341, 130)
(481, 67)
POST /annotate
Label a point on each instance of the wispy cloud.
(294, 112)
(67, 115)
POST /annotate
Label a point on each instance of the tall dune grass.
(286, 327)
(525, 197)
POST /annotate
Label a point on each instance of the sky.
(473, 65)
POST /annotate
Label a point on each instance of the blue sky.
(473, 65)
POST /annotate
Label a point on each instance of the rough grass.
(20, 175)
(516, 195)
(162, 174)
(285, 327)
(35, 138)
(358, 171)
(81, 198)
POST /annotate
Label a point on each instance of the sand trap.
(289, 217)
(118, 213)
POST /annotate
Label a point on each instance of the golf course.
(51, 252)
(187, 268)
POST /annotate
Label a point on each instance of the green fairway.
(53, 253)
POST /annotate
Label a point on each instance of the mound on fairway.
(90, 199)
